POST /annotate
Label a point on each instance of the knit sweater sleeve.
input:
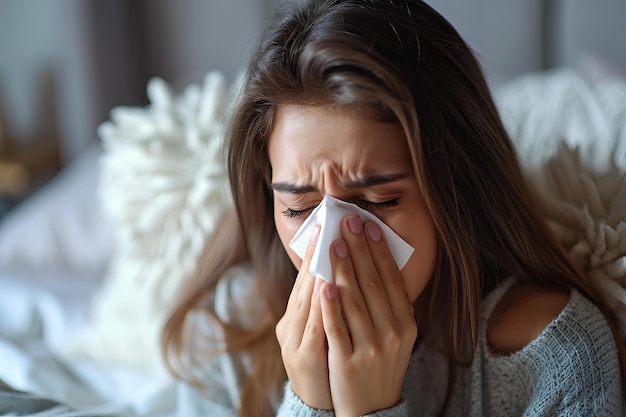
(292, 406)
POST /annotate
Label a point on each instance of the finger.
(303, 282)
(299, 303)
(387, 268)
(352, 302)
(366, 272)
(337, 334)
(314, 337)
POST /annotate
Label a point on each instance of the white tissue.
(328, 214)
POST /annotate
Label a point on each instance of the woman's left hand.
(369, 352)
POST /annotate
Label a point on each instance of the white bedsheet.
(37, 316)
(54, 252)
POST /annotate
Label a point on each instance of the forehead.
(311, 136)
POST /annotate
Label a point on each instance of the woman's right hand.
(302, 340)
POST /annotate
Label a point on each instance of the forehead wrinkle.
(355, 181)
(299, 178)
(315, 175)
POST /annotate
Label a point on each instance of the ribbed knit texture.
(571, 369)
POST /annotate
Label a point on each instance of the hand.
(369, 352)
(300, 333)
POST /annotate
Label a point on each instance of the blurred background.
(64, 64)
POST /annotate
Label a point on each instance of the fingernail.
(315, 235)
(318, 285)
(331, 291)
(341, 249)
(373, 231)
(354, 223)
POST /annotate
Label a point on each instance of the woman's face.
(331, 150)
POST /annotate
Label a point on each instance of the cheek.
(418, 271)
(286, 229)
(417, 274)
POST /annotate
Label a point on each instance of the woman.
(382, 104)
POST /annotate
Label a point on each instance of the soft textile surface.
(55, 249)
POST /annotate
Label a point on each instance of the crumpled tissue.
(328, 215)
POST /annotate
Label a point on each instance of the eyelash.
(365, 204)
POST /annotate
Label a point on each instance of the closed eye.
(382, 205)
(296, 213)
(367, 205)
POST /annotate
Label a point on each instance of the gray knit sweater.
(571, 369)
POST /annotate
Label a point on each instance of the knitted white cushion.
(165, 187)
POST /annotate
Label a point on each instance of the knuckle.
(357, 304)
(334, 331)
(371, 353)
(295, 290)
(281, 332)
(300, 305)
(279, 326)
(409, 330)
(391, 273)
(392, 339)
(312, 330)
(351, 367)
(373, 282)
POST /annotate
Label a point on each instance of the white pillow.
(165, 187)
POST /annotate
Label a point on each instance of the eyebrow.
(369, 181)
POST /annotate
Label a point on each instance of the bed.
(91, 263)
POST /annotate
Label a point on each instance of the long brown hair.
(403, 59)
